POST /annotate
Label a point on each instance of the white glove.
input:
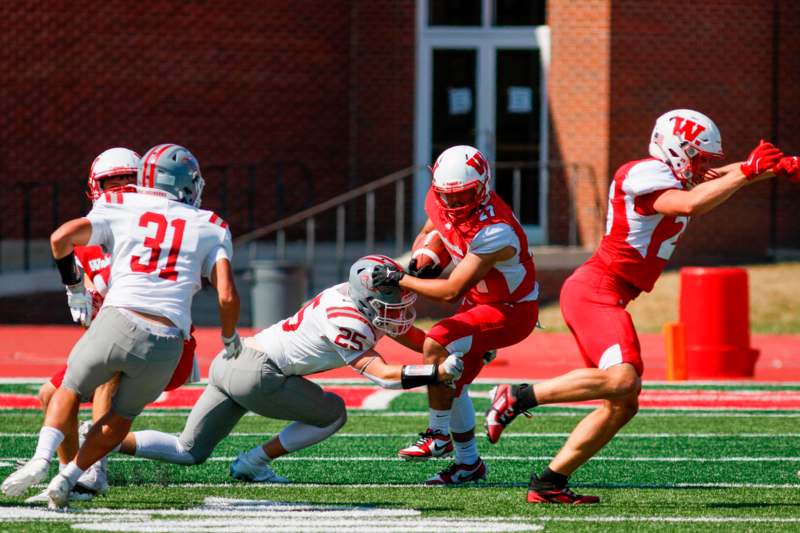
(454, 366)
(233, 346)
(80, 304)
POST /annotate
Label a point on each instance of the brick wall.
(262, 93)
(610, 80)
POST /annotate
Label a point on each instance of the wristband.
(68, 269)
(417, 375)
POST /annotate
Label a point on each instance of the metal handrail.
(336, 201)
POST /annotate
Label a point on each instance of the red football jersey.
(96, 264)
(492, 228)
(638, 240)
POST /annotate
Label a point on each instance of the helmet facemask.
(394, 318)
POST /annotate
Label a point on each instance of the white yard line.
(520, 435)
(511, 458)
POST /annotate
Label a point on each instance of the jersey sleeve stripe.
(349, 315)
(215, 219)
(351, 309)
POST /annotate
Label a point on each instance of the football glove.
(454, 367)
(386, 276)
(80, 304)
(233, 346)
(429, 271)
(762, 158)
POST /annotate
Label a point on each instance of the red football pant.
(593, 304)
(477, 328)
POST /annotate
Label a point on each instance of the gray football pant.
(115, 344)
(251, 382)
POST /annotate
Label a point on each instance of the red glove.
(789, 166)
(763, 158)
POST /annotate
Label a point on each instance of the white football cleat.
(33, 472)
(58, 492)
(244, 470)
(74, 496)
(94, 480)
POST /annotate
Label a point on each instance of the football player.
(161, 244)
(495, 277)
(339, 327)
(112, 170)
(650, 204)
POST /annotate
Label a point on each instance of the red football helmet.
(112, 162)
(461, 181)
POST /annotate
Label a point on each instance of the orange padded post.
(675, 343)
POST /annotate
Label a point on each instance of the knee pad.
(336, 410)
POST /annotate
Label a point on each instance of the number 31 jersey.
(159, 248)
(639, 241)
(328, 332)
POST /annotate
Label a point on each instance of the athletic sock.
(559, 481)
(257, 456)
(526, 399)
(49, 439)
(439, 420)
(467, 452)
(72, 473)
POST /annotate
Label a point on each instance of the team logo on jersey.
(478, 163)
(688, 129)
(99, 263)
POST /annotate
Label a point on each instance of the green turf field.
(667, 471)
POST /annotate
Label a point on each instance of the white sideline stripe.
(705, 413)
(303, 485)
(674, 519)
(520, 435)
(380, 399)
(513, 458)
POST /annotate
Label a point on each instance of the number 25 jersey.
(159, 248)
(328, 332)
(639, 241)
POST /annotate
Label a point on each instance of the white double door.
(486, 87)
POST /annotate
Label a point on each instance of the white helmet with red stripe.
(686, 140)
(390, 309)
(112, 162)
(461, 181)
(173, 169)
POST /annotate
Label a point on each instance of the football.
(429, 256)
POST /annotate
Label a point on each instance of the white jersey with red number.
(328, 332)
(160, 248)
(490, 230)
(638, 240)
(96, 264)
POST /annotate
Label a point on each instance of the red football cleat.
(456, 474)
(501, 413)
(544, 492)
(430, 444)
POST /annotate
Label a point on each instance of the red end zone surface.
(38, 351)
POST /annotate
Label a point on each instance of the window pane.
(518, 12)
(454, 99)
(518, 115)
(454, 13)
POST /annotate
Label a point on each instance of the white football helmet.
(390, 309)
(112, 162)
(459, 169)
(686, 140)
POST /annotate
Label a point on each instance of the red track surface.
(38, 351)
